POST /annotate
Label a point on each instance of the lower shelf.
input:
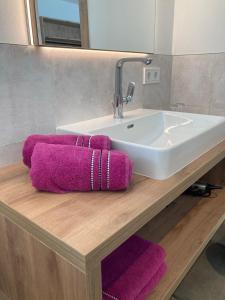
(183, 229)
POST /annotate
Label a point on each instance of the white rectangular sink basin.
(159, 142)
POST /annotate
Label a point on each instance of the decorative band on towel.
(92, 170)
(100, 172)
(77, 140)
(89, 142)
(110, 296)
(108, 170)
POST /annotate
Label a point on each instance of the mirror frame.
(34, 28)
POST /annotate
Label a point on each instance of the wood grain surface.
(31, 271)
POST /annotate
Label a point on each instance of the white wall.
(122, 25)
(13, 28)
(199, 26)
(164, 26)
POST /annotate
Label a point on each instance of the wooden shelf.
(184, 228)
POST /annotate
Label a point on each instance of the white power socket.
(151, 75)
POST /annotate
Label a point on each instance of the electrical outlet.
(151, 75)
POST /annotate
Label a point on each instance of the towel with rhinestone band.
(95, 142)
(66, 168)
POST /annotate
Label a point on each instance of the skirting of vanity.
(51, 246)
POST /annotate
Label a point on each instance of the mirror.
(119, 25)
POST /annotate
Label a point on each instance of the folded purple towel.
(95, 142)
(65, 168)
(133, 270)
(154, 281)
(146, 291)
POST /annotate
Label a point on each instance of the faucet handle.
(130, 92)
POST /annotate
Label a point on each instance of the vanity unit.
(51, 246)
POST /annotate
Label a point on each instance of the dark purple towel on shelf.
(66, 168)
(95, 142)
(133, 270)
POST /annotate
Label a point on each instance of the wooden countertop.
(85, 227)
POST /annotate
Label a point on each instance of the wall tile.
(217, 105)
(157, 96)
(191, 80)
(10, 154)
(27, 96)
(198, 81)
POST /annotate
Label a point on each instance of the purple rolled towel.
(95, 142)
(154, 281)
(133, 270)
(66, 168)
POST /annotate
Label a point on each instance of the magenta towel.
(154, 281)
(95, 142)
(146, 291)
(133, 270)
(65, 168)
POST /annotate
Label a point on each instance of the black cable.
(202, 189)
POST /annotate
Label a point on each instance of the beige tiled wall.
(155, 96)
(41, 88)
(198, 81)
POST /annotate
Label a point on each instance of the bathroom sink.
(159, 142)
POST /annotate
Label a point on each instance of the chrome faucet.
(119, 99)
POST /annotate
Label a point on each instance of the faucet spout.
(119, 99)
